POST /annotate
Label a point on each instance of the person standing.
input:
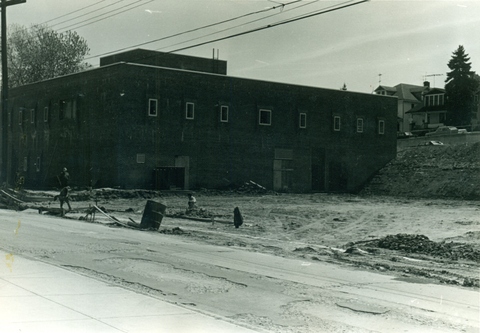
(191, 202)
(64, 178)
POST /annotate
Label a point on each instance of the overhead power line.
(270, 26)
(257, 20)
(72, 12)
(198, 28)
(76, 26)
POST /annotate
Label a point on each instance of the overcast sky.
(399, 39)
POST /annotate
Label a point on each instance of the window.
(20, 117)
(189, 110)
(224, 113)
(140, 158)
(68, 109)
(25, 164)
(45, 114)
(432, 100)
(359, 125)
(38, 164)
(152, 107)
(265, 117)
(381, 127)
(336, 123)
(302, 121)
(32, 116)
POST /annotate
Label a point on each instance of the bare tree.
(39, 53)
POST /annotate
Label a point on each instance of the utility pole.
(3, 170)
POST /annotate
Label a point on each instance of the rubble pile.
(420, 244)
(251, 187)
(448, 171)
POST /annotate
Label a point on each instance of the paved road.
(271, 293)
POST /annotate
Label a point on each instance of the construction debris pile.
(251, 187)
(420, 244)
(448, 171)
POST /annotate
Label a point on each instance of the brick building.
(146, 119)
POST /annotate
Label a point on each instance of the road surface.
(271, 293)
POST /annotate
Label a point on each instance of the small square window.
(45, 114)
(140, 158)
(152, 107)
(265, 117)
(336, 123)
(359, 125)
(381, 127)
(189, 111)
(302, 122)
(224, 114)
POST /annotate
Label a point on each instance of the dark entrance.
(167, 178)
(337, 180)
(318, 170)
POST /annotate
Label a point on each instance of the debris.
(362, 307)
(110, 217)
(252, 187)
(152, 215)
(237, 218)
(420, 244)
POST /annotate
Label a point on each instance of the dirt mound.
(448, 171)
(420, 244)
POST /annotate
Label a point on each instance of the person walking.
(64, 197)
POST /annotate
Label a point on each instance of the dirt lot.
(421, 239)
(423, 230)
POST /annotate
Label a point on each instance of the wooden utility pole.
(3, 169)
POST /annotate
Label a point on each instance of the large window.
(68, 109)
(265, 117)
(189, 110)
(302, 121)
(434, 99)
(152, 107)
(224, 113)
(336, 123)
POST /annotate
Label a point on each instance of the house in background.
(431, 114)
(420, 108)
(153, 120)
(409, 97)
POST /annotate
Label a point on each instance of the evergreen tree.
(460, 89)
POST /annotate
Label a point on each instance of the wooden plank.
(111, 217)
(12, 197)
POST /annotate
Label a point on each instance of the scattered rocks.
(420, 244)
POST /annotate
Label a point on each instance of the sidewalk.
(38, 297)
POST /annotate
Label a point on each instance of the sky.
(376, 42)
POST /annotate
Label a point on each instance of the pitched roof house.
(409, 98)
